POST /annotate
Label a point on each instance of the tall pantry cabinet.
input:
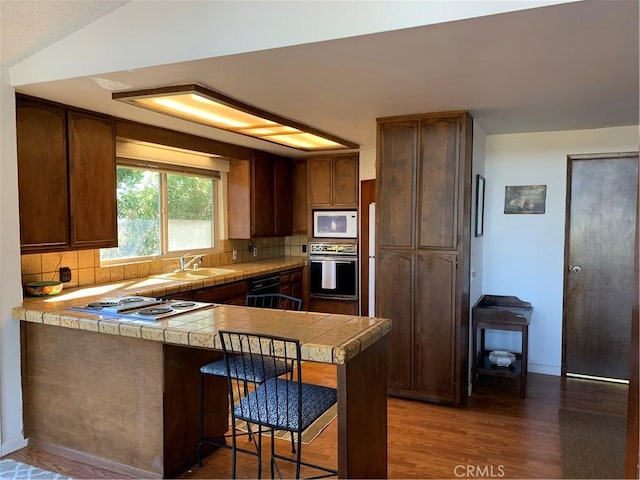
(423, 225)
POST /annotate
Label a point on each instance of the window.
(162, 212)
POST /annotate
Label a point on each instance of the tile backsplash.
(86, 270)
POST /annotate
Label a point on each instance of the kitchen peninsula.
(124, 394)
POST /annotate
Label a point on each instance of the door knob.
(575, 268)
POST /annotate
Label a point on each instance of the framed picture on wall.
(480, 186)
(525, 199)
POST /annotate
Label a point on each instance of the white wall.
(11, 437)
(477, 243)
(524, 254)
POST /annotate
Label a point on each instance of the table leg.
(525, 361)
(362, 414)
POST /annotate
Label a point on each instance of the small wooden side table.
(500, 312)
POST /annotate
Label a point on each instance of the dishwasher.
(264, 285)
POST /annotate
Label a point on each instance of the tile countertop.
(326, 338)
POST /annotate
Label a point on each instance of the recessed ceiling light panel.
(202, 105)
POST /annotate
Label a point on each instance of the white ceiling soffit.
(147, 33)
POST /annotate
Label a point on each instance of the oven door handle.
(332, 259)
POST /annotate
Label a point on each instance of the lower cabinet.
(291, 283)
(230, 293)
(344, 307)
(428, 342)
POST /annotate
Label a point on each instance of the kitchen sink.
(198, 274)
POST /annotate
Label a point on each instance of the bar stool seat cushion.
(274, 404)
(247, 367)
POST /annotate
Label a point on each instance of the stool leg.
(201, 419)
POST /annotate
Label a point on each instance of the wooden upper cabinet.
(239, 199)
(262, 195)
(333, 181)
(283, 197)
(42, 176)
(319, 171)
(396, 183)
(92, 181)
(300, 206)
(259, 196)
(66, 178)
(345, 181)
(438, 183)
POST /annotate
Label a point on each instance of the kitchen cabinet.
(291, 283)
(423, 223)
(66, 178)
(92, 181)
(260, 196)
(333, 181)
(230, 293)
(300, 205)
(283, 197)
(42, 176)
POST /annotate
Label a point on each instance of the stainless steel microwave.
(335, 223)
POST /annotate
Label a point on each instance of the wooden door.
(42, 176)
(598, 295)
(435, 313)
(438, 183)
(319, 181)
(283, 197)
(262, 194)
(395, 205)
(300, 206)
(394, 300)
(92, 181)
(345, 181)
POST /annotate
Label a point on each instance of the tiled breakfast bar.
(124, 394)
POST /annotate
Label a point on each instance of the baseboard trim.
(94, 460)
(544, 369)
(12, 445)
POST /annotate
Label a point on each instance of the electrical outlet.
(65, 274)
(255, 251)
(235, 255)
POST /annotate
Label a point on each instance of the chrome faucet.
(184, 264)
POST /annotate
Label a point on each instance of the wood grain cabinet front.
(423, 235)
(260, 196)
(66, 177)
(333, 181)
(231, 293)
(291, 283)
(300, 205)
(92, 181)
(42, 176)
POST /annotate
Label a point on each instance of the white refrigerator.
(372, 259)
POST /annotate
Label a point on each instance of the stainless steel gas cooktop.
(140, 308)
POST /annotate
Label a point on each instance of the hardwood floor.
(495, 434)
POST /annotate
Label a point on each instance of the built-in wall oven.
(333, 270)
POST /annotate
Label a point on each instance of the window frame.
(164, 169)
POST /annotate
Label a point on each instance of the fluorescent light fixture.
(208, 107)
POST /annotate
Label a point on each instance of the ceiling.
(563, 67)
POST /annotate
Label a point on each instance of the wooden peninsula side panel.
(84, 389)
